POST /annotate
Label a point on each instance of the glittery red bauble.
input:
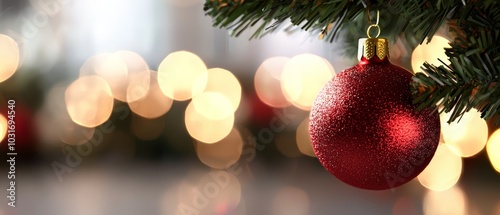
(366, 131)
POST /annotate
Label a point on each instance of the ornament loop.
(373, 26)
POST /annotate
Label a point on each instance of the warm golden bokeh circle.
(154, 104)
(3, 127)
(89, 101)
(136, 67)
(467, 136)
(120, 70)
(444, 170)
(224, 82)
(303, 77)
(212, 105)
(182, 75)
(493, 149)
(267, 82)
(303, 139)
(9, 53)
(206, 129)
(449, 202)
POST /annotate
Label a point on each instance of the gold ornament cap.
(371, 47)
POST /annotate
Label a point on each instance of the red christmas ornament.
(364, 127)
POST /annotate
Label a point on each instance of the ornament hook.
(371, 24)
(368, 16)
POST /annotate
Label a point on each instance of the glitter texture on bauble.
(364, 127)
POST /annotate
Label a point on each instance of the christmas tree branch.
(423, 17)
(470, 81)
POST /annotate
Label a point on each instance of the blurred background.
(142, 107)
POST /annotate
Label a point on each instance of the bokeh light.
(303, 139)
(119, 69)
(114, 70)
(443, 171)
(138, 87)
(3, 127)
(109, 67)
(206, 129)
(222, 154)
(450, 202)
(147, 129)
(303, 77)
(212, 105)
(182, 75)
(9, 53)
(89, 101)
(430, 52)
(155, 103)
(267, 82)
(224, 82)
(466, 137)
(493, 149)
(290, 200)
(136, 67)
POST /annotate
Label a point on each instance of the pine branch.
(423, 17)
(470, 81)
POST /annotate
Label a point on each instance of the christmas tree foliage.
(469, 81)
